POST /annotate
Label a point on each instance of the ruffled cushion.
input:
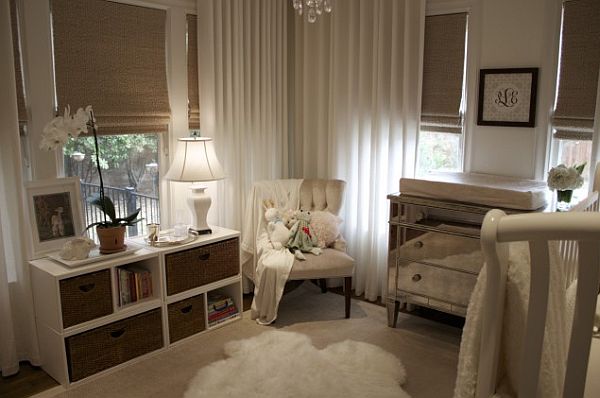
(326, 226)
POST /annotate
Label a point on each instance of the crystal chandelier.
(313, 8)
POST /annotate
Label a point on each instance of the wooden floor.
(29, 381)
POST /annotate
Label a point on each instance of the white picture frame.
(55, 213)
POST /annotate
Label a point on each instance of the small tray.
(94, 256)
(166, 239)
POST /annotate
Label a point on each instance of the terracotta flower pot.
(112, 239)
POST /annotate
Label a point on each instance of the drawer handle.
(419, 216)
(186, 309)
(87, 287)
(418, 244)
(416, 277)
(204, 257)
(115, 334)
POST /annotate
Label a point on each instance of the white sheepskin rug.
(285, 364)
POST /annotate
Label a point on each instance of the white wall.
(512, 33)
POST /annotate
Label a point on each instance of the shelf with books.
(136, 283)
(223, 305)
(180, 316)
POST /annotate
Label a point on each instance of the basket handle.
(204, 256)
(88, 287)
(115, 334)
(186, 309)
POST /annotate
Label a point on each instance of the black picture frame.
(507, 97)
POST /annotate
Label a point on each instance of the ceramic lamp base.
(199, 203)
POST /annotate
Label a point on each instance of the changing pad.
(483, 189)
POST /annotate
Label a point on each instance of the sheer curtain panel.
(17, 327)
(356, 105)
(243, 83)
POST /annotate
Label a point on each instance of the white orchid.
(563, 178)
(61, 128)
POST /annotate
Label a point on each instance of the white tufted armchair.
(323, 195)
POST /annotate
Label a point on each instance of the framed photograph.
(54, 213)
(507, 97)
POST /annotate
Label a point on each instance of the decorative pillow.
(326, 226)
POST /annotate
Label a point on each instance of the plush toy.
(279, 234)
(302, 239)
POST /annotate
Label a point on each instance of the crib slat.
(531, 352)
(583, 319)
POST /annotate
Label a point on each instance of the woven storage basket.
(107, 346)
(85, 297)
(186, 317)
(201, 265)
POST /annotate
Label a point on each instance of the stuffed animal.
(279, 234)
(302, 238)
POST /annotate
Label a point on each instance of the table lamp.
(196, 161)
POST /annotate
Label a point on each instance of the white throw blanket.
(268, 268)
(515, 313)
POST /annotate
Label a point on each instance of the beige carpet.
(428, 350)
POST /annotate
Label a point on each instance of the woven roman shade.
(443, 70)
(192, 65)
(16, 38)
(112, 56)
(578, 75)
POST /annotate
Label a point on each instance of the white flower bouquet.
(564, 178)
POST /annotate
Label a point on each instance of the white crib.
(578, 232)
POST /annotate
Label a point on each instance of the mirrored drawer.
(450, 251)
(436, 217)
(443, 284)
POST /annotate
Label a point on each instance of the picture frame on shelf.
(55, 213)
(507, 97)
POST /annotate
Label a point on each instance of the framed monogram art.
(507, 97)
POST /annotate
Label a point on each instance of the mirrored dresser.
(434, 254)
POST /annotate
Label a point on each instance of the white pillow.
(326, 226)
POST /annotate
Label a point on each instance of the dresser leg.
(393, 307)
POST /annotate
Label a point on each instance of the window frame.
(434, 8)
(553, 144)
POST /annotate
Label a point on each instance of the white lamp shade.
(195, 161)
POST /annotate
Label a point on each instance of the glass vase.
(563, 199)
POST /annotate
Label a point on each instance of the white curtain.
(243, 79)
(18, 340)
(357, 101)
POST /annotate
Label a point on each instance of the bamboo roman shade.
(14, 21)
(192, 65)
(578, 75)
(443, 70)
(112, 56)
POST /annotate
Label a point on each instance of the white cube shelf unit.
(85, 331)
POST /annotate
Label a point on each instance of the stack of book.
(135, 283)
(220, 308)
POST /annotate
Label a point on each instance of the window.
(117, 65)
(129, 165)
(576, 88)
(440, 136)
(192, 68)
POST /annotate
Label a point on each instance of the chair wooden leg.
(347, 293)
(323, 284)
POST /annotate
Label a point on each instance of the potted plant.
(111, 230)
